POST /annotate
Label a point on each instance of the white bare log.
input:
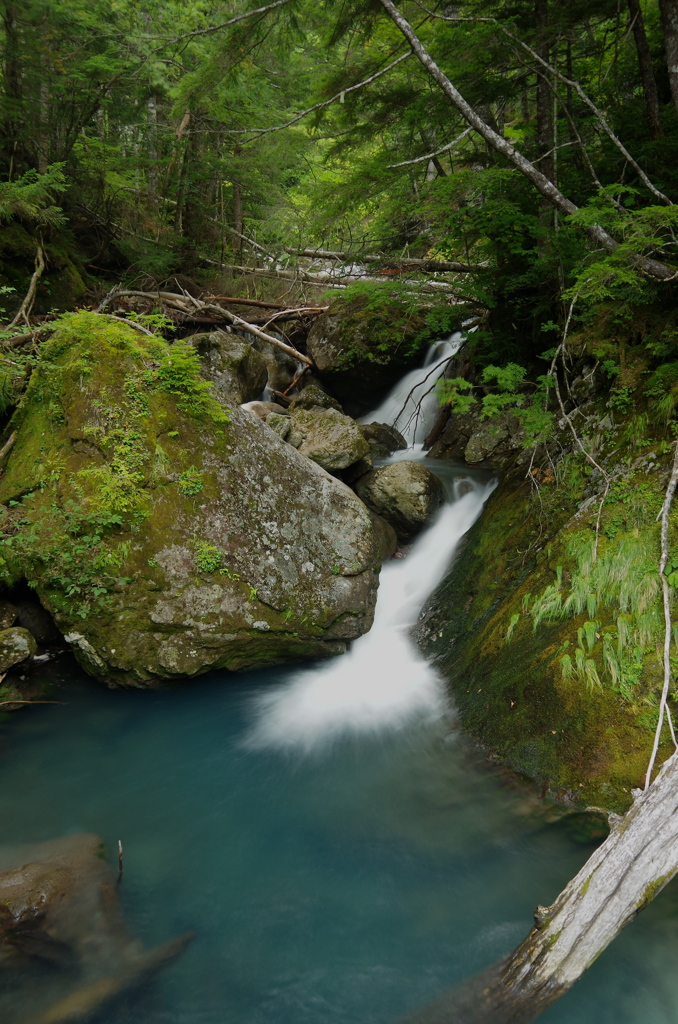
(636, 861)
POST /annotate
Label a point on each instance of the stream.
(342, 851)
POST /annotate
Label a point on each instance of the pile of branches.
(183, 308)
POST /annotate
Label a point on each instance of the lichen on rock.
(165, 533)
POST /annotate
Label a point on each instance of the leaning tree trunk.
(625, 873)
(653, 268)
(646, 71)
(669, 11)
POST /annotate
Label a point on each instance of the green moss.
(556, 729)
(122, 389)
(651, 891)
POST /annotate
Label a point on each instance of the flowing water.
(342, 852)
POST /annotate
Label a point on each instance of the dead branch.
(666, 595)
(266, 305)
(430, 156)
(190, 306)
(424, 265)
(26, 306)
(258, 132)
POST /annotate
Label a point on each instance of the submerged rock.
(16, 645)
(406, 494)
(177, 536)
(58, 907)
(236, 369)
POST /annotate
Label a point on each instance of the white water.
(408, 406)
(382, 682)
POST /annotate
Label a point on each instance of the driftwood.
(193, 309)
(636, 861)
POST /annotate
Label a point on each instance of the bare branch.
(26, 306)
(430, 156)
(664, 557)
(258, 132)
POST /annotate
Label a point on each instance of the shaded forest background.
(220, 141)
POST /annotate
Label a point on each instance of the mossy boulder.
(237, 371)
(406, 494)
(583, 739)
(364, 344)
(330, 438)
(16, 645)
(166, 534)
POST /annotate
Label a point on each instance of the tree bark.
(544, 118)
(12, 129)
(646, 72)
(636, 861)
(653, 268)
(238, 221)
(669, 12)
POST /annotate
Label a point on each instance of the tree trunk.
(669, 12)
(646, 72)
(152, 148)
(636, 861)
(544, 118)
(544, 185)
(238, 220)
(12, 128)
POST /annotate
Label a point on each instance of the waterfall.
(382, 682)
(412, 406)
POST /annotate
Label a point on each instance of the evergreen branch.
(224, 24)
(543, 184)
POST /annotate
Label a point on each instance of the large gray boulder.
(330, 438)
(219, 545)
(236, 369)
(406, 494)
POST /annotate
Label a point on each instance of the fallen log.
(626, 872)
(424, 265)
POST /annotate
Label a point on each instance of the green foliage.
(31, 197)
(190, 481)
(509, 395)
(208, 558)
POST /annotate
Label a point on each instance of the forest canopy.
(160, 137)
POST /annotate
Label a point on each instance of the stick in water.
(119, 859)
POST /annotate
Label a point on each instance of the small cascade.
(412, 406)
(382, 682)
